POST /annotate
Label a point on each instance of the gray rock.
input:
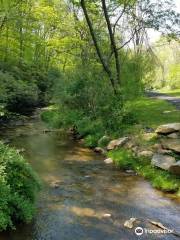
(168, 128)
(135, 149)
(164, 151)
(131, 172)
(130, 223)
(130, 145)
(117, 143)
(55, 184)
(173, 136)
(145, 153)
(162, 161)
(172, 144)
(99, 150)
(108, 161)
(107, 215)
(175, 168)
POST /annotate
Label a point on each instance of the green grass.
(173, 93)
(154, 112)
(148, 113)
(159, 179)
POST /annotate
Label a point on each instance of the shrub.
(17, 95)
(91, 140)
(23, 88)
(123, 159)
(51, 117)
(18, 188)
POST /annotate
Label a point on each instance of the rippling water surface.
(79, 189)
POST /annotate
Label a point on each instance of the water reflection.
(79, 189)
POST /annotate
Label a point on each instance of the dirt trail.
(173, 100)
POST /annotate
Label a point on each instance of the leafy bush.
(18, 188)
(51, 117)
(88, 103)
(17, 95)
(91, 140)
(23, 88)
(123, 158)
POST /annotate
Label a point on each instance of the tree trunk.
(113, 42)
(105, 67)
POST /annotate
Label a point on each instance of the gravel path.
(173, 100)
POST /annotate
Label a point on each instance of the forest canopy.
(89, 45)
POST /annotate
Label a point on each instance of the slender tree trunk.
(112, 39)
(21, 36)
(105, 67)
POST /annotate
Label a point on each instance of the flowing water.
(80, 191)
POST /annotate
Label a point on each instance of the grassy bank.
(144, 115)
(159, 179)
(18, 188)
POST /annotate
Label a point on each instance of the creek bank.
(158, 161)
(161, 157)
(73, 176)
(133, 151)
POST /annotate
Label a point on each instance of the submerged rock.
(117, 143)
(175, 168)
(131, 172)
(168, 128)
(162, 161)
(107, 215)
(55, 184)
(130, 223)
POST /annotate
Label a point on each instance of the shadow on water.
(79, 189)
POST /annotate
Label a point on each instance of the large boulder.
(117, 143)
(168, 128)
(172, 144)
(175, 168)
(163, 161)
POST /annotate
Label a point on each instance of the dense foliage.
(167, 70)
(18, 187)
(92, 59)
(23, 88)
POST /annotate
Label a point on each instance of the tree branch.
(106, 68)
(112, 39)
